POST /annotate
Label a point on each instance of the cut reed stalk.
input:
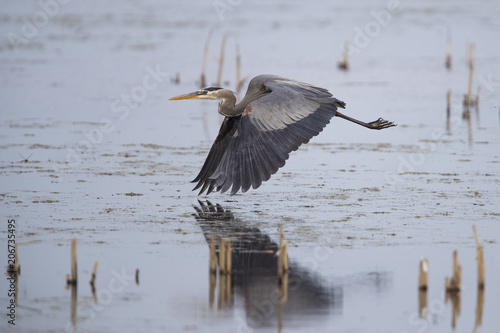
(72, 280)
(423, 278)
(480, 260)
(453, 284)
(344, 63)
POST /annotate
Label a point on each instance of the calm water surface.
(88, 152)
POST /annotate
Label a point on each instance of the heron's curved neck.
(227, 104)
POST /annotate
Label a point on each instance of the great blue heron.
(275, 117)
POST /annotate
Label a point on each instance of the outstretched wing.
(226, 133)
(288, 114)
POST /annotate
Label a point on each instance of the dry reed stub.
(137, 276)
(176, 79)
(73, 279)
(480, 260)
(448, 51)
(453, 284)
(423, 277)
(344, 63)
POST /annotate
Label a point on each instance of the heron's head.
(205, 93)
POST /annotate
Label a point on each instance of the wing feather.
(228, 129)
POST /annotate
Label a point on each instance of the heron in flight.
(274, 118)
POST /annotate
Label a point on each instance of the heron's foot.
(381, 124)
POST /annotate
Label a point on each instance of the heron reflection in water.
(274, 118)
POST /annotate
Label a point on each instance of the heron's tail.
(339, 103)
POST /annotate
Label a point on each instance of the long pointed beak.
(192, 95)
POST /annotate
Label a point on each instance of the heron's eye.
(202, 92)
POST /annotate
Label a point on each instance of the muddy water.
(91, 149)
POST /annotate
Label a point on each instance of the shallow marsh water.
(359, 208)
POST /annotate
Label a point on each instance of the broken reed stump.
(423, 277)
(74, 272)
(453, 284)
(137, 276)
(448, 51)
(344, 63)
(176, 79)
(480, 260)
